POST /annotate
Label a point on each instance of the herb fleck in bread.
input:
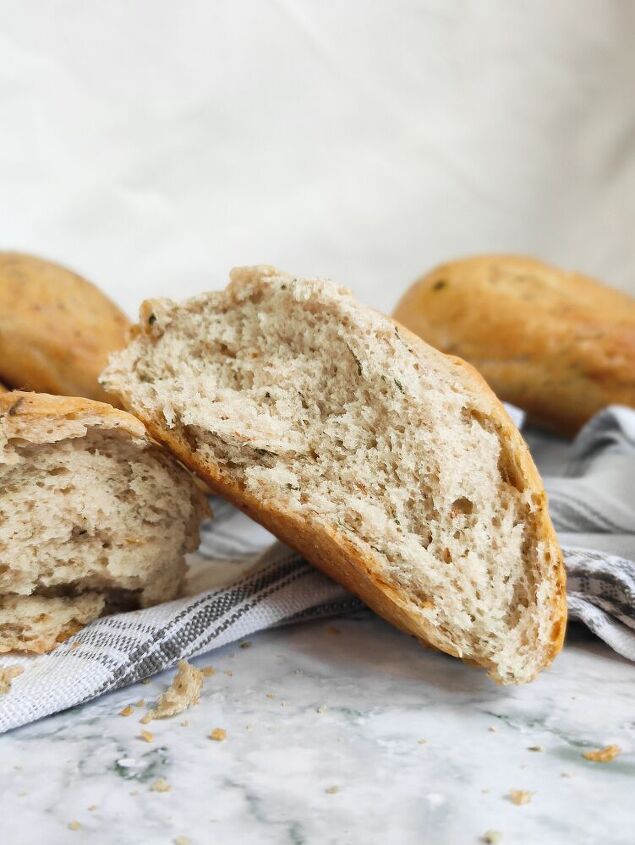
(387, 464)
(558, 344)
(56, 328)
(93, 517)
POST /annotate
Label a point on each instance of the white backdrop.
(152, 144)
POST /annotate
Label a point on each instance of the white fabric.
(152, 145)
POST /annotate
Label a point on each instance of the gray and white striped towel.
(591, 484)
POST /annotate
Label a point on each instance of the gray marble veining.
(353, 735)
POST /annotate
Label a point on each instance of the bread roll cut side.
(387, 464)
(93, 517)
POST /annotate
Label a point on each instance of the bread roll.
(56, 329)
(558, 344)
(388, 465)
(93, 517)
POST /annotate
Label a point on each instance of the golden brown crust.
(56, 329)
(22, 415)
(333, 553)
(558, 344)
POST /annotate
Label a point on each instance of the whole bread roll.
(94, 517)
(557, 344)
(391, 467)
(56, 329)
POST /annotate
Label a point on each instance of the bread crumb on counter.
(181, 840)
(74, 825)
(492, 837)
(332, 790)
(6, 677)
(603, 755)
(218, 734)
(208, 671)
(128, 710)
(520, 796)
(535, 748)
(183, 692)
(160, 785)
(92, 808)
(147, 736)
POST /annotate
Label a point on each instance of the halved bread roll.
(94, 517)
(56, 328)
(389, 465)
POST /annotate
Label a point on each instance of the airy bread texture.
(387, 464)
(93, 517)
(56, 328)
(558, 344)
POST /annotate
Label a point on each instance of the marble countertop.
(339, 731)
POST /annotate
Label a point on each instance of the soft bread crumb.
(388, 464)
(603, 755)
(332, 790)
(208, 671)
(147, 736)
(183, 692)
(6, 677)
(218, 734)
(115, 516)
(181, 840)
(128, 710)
(520, 796)
(74, 825)
(492, 837)
(160, 785)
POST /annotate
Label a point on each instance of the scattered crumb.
(147, 736)
(269, 695)
(218, 734)
(492, 729)
(6, 677)
(246, 644)
(128, 710)
(160, 785)
(145, 681)
(492, 837)
(566, 775)
(603, 755)
(331, 790)
(74, 646)
(74, 825)
(333, 630)
(185, 723)
(92, 808)
(181, 840)
(183, 692)
(229, 672)
(140, 703)
(421, 741)
(535, 748)
(520, 796)
(146, 718)
(208, 671)
(321, 709)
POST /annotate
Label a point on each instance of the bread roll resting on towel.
(389, 465)
(93, 517)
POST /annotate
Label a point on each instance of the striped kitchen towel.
(254, 584)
